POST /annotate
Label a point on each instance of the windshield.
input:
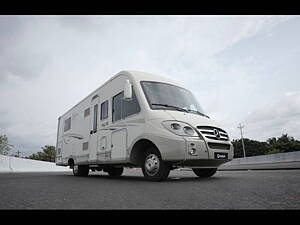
(171, 97)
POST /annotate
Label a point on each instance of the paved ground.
(270, 189)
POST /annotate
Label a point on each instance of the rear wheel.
(81, 170)
(153, 167)
(204, 172)
(115, 172)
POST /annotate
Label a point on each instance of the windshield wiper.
(181, 109)
(200, 113)
(170, 106)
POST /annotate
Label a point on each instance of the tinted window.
(104, 110)
(130, 107)
(87, 112)
(67, 124)
(117, 107)
(122, 109)
(160, 94)
(85, 146)
(95, 118)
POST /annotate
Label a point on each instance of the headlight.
(188, 130)
(180, 128)
(175, 126)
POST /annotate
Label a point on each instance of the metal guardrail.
(289, 160)
(14, 164)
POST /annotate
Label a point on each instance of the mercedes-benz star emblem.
(217, 133)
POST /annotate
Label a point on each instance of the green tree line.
(48, 154)
(271, 146)
(4, 146)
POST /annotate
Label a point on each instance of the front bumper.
(206, 149)
(198, 163)
(177, 149)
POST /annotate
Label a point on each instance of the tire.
(115, 172)
(81, 170)
(154, 169)
(204, 172)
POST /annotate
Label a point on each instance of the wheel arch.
(71, 163)
(138, 149)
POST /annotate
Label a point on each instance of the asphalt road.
(259, 189)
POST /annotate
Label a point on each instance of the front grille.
(219, 146)
(208, 132)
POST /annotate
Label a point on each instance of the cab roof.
(144, 76)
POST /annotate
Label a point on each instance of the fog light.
(192, 151)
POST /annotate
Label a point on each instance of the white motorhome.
(140, 120)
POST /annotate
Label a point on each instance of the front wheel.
(204, 172)
(153, 167)
(81, 170)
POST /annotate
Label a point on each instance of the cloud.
(4, 120)
(25, 132)
(18, 57)
(22, 65)
(250, 74)
(25, 145)
(276, 118)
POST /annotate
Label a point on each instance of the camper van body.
(105, 132)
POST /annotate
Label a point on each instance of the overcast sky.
(242, 69)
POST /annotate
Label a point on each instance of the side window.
(67, 125)
(58, 151)
(85, 146)
(104, 110)
(87, 112)
(117, 107)
(130, 107)
(95, 118)
(122, 109)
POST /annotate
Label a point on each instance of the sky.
(242, 69)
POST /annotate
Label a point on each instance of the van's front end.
(184, 135)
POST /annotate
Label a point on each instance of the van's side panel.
(71, 141)
(111, 145)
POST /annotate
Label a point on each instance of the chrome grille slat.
(221, 139)
(208, 132)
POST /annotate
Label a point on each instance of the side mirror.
(127, 91)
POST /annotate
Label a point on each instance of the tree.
(252, 148)
(4, 146)
(271, 146)
(48, 154)
(284, 143)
